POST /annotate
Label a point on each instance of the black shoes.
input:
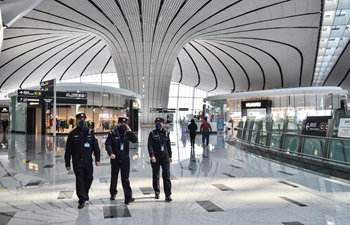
(129, 201)
(112, 197)
(168, 199)
(156, 196)
(81, 204)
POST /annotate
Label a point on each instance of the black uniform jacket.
(81, 143)
(113, 143)
(154, 143)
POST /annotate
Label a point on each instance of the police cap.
(122, 120)
(159, 119)
(80, 115)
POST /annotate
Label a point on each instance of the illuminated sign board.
(257, 104)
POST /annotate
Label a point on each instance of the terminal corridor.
(215, 184)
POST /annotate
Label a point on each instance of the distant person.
(159, 149)
(192, 127)
(205, 129)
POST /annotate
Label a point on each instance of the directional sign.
(28, 99)
(59, 94)
(29, 93)
(316, 125)
(46, 83)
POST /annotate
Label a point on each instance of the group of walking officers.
(82, 144)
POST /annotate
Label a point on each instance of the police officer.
(159, 150)
(81, 143)
(117, 146)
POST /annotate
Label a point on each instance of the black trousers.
(192, 138)
(165, 164)
(83, 179)
(124, 167)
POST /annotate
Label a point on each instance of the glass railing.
(290, 141)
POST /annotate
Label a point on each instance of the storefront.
(102, 105)
(296, 103)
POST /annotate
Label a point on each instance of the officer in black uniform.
(117, 146)
(81, 143)
(159, 150)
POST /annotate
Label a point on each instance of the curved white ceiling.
(215, 45)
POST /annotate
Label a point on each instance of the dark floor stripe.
(33, 183)
(209, 206)
(116, 211)
(292, 223)
(292, 185)
(286, 173)
(65, 194)
(222, 187)
(173, 177)
(10, 174)
(229, 175)
(293, 201)
(134, 170)
(105, 164)
(235, 166)
(146, 190)
(58, 156)
(71, 172)
(5, 217)
(48, 166)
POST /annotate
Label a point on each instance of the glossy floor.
(217, 184)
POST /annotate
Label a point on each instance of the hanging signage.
(344, 128)
(29, 92)
(162, 110)
(135, 105)
(316, 125)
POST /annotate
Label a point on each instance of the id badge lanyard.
(121, 142)
(162, 144)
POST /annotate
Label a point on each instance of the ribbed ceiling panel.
(234, 44)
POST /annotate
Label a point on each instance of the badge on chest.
(87, 145)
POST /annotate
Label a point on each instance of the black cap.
(158, 119)
(80, 115)
(122, 120)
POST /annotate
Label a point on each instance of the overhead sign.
(47, 83)
(317, 125)
(50, 100)
(162, 110)
(59, 94)
(29, 93)
(344, 128)
(28, 99)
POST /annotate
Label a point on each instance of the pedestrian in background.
(205, 129)
(192, 127)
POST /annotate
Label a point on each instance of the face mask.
(82, 123)
(158, 126)
(122, 128)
